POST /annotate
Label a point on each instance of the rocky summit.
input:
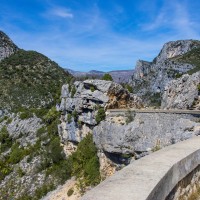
(7, 47)
(150, 78)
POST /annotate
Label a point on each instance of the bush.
(86, 163)
(5, 139)
(107, 77)
(75, 115)
(55, 150)
(40, 131)
(52, 115)
(198, 87)
(73, 92)
(5, 169)
(16, 154)
(26, 115)
(61, 170)
(69, 118)
(70, 192)
(129, 88)
(101, 115)
(92, 88)
(130, 116)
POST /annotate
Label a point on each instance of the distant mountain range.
(119, 76)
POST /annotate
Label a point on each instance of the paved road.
(121, 111)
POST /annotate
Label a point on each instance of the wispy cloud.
(59, 12)
(175, 17)
(91, 40)
(62, 12)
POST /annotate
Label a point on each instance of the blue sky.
(99, 34)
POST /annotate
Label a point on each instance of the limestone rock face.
(176, 48)
(79, 110)
(150, 78)
(182, 93)
(7, 47)
(148, 132)
(24, 129)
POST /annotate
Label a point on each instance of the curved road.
(122, 111)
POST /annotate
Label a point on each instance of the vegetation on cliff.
(31, 80)
(191, 57)
(86, 164)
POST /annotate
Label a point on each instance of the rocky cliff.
(183, 93)
(32, 162)
(150, 78)
(119, 142)
(82, 101)
(7, 47)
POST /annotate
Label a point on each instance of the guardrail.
(112, 111)
(152, 177)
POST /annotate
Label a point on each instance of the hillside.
(32, 162)
(29, 79)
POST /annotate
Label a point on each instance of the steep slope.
(32, 162)
(175, 59)
(29, 79)
(7, 47)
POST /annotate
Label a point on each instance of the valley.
(65, 133)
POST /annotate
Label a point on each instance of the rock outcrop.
(182, 93)
(150, 78)
(80, 105)
(7, 47)
(147, 132)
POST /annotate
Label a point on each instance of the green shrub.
(5, 169)
(52, 115)
(40, 131)
(73, 92)
(69, 118)
(129, 88)
(62, 170)
(70, 192)
(130, 116)
(9, 120)
(4, 118)
(55, 151)
(16, 154)
(100, 115)
(42, 191)
(92, 88)
(20, 172)
(5, 139)
(198, 87)
(26, 115)
(86, 163)
(107, 77)
(75, 115)
(40, 112)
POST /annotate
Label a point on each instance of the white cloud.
(174, 16)
(62, 12)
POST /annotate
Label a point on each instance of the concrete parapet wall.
(153, 177)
